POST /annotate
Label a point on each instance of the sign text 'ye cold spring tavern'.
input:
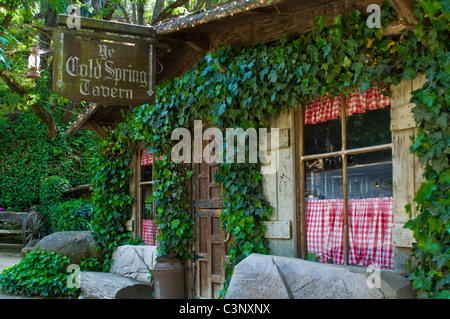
(103, 72)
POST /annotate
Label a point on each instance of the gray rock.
(134, 262)
(74, 244)
(273, 277)
(105, 285)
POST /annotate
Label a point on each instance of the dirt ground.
(8, 258)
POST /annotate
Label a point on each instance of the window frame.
(140, 200)
(302, 181)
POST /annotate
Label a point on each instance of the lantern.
(33, 63)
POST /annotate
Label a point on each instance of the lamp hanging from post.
(33, 63)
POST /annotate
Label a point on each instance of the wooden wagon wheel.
(33, 227)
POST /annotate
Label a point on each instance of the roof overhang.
(236, 23)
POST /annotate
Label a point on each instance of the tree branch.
(167, 12)
(36, 108)
(111, 8)
(46, 118)
(15, 86)
(125, 13)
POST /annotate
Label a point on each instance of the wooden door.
(210, 244)
(210, 250)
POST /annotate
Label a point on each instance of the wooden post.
(404, 9)
(302, 218)
(344, 176)
(138, 201)
(407, 174)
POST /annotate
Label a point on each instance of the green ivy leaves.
(39, 273)
(176, 228)
(245, 87)
(431, 227)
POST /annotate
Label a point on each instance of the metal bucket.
(168, 278)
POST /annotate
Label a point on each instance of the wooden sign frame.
(94, 64)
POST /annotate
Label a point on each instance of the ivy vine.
(431, 144)
(245, 87)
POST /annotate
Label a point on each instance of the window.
(346, 182)
(146, 209)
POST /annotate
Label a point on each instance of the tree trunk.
(46, 118)
(140, 8)
(158, 8)
(44, 45)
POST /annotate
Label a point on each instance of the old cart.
(29, 226)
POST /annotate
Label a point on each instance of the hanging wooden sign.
(102, 71)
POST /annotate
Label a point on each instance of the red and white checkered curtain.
(370, 231)
(324, 109)
(149, 232)
(147, 157)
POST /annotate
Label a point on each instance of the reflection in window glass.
(148, 205)
(147, 173)
(369, 128)
(370, 175)
(323, 137)
(324, 178)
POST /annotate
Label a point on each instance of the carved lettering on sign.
(105, 73)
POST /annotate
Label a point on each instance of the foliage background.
(245, 87)
(27, 157)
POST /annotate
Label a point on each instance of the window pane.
(370, 213)
(370, 175)
(147, 173)
(324, 178)
(324, 210)
(323, 137)
(369, 128)
(147, 192)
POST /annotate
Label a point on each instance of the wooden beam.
(96, 128)
(404, 9)
(10, 231)
(6, 245)
(108, 26)
(394, 29)
(82, 119)
(297, 23)
(102, 36)
(197, 46)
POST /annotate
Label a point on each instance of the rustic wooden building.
(311, 172)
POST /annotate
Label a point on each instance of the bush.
(28, 157)
(39, 273)
(71, 215)
(51, 191)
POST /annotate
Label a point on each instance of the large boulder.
(105, 285)
(134, 262)
(273, 277)
(74, 244)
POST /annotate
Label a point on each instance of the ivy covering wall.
(28, 157)
(245, 87)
